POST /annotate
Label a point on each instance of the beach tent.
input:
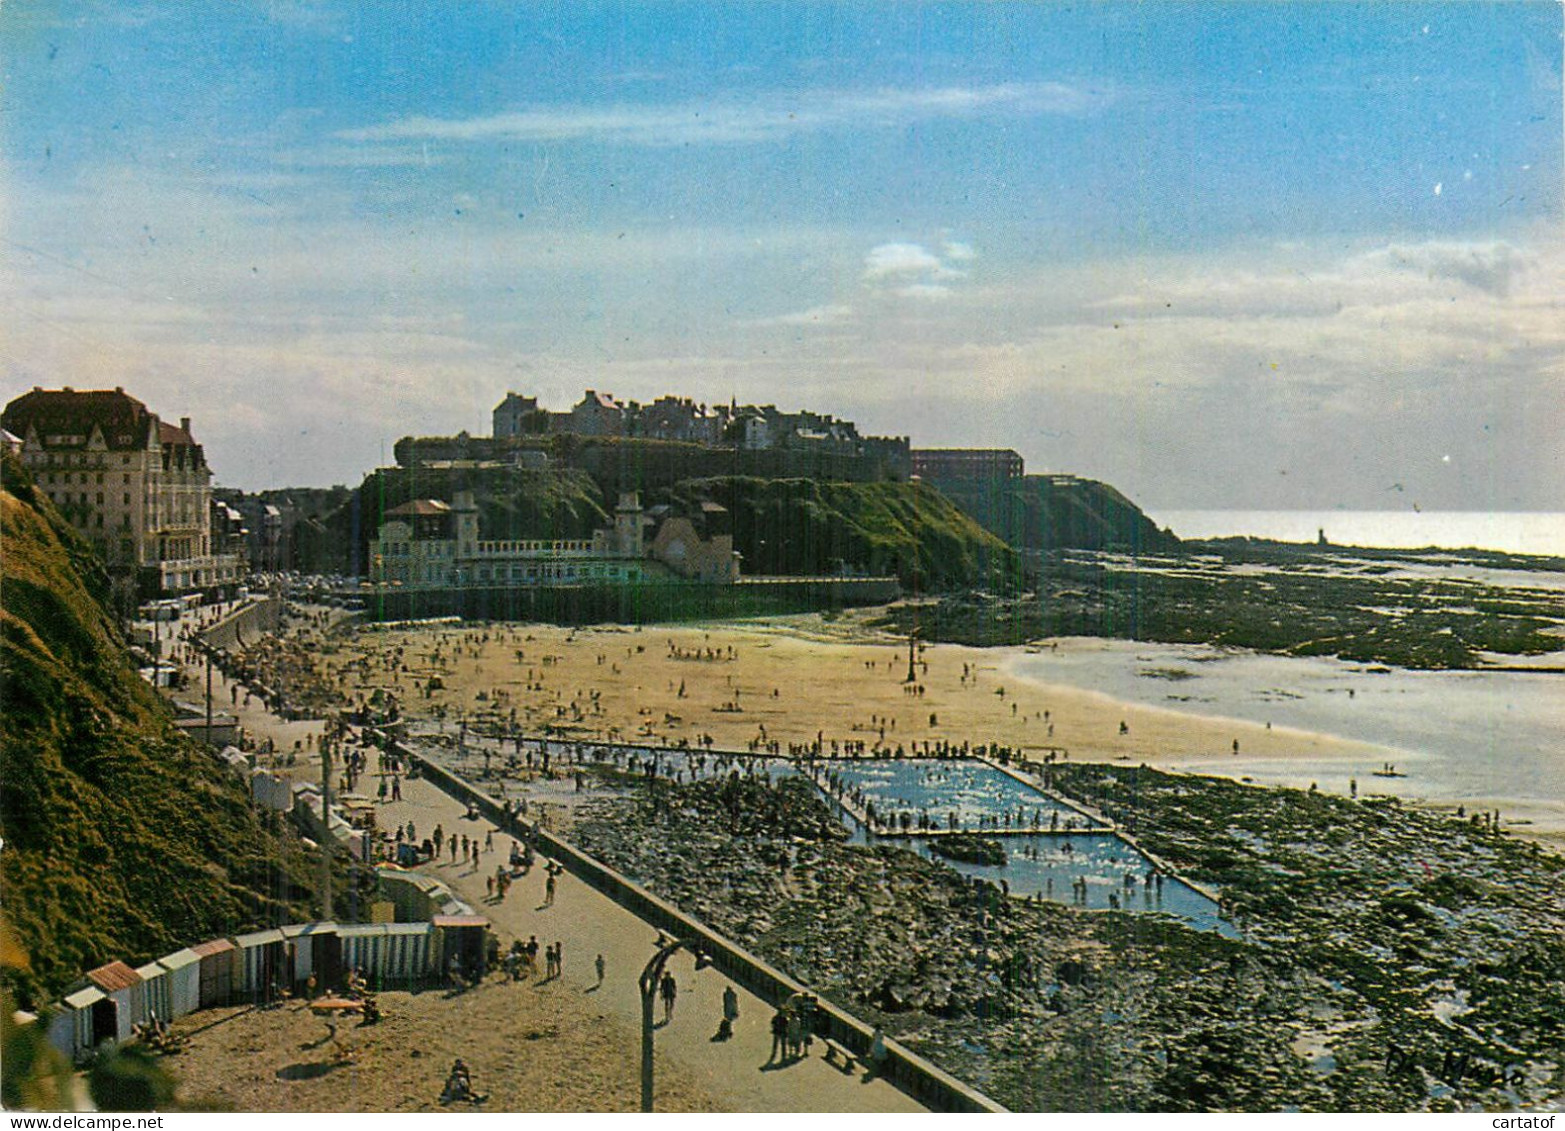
(122, 986)
(314, 948)
(263, 963)
(184, 982)
(218, 958)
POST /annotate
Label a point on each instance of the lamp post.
(650, 977)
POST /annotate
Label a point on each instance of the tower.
(628, 540)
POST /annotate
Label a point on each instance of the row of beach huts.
(263, 965)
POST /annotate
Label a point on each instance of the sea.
(1482, 738)
(1513, 532)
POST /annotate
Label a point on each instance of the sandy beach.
(789, 682)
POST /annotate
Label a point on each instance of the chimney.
(184, 425)
(120, 389)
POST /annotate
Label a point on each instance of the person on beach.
(599, 965)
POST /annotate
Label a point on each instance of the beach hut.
(416, 897)
(389, 953)
(314, 948)
(122, 986)
(156, 993)
(217, 958)
(461, 937)
(184, 982)
(262, 965)
(85, 1017)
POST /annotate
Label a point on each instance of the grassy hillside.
(1051, 512)
(800, 526)
(513, 502)
(122, 839)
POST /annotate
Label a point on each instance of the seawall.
(639, 604)
(925, 1081)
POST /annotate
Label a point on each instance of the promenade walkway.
(736, 1071)
(589, 923)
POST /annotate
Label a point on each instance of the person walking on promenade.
(779, 1037)
(670, 991)
(600, 966)
(548, 891)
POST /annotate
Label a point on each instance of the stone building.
(136, 487)
(428, 543)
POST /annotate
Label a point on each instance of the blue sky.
(1233, 254)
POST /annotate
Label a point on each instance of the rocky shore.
(1393, 961)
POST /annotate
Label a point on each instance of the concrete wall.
(918, 1077)
(251, 621)
(632, 604)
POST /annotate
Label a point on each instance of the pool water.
(1082, 868)
(953, 794)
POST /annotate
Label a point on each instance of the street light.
(649, 986)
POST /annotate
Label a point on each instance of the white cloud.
(924, 290)
(895, 260)
(762, 119)
(910, 270)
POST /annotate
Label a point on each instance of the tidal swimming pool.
(1091, 867)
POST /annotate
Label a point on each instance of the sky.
(1246, 255)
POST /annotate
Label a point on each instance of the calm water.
(1516, 532)
(965, 791)
(1047, 866)
(1459, 736)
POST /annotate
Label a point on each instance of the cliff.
(121, 838)
(781, 526)
(800, 526)
(1055, 512)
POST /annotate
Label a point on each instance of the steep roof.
(112, 977)
(66, 417)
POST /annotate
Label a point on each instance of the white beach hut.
(184, 982)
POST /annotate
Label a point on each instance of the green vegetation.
(802, 527)
(798, 527)
(1051, 512)
(514, 502)
(122, 839)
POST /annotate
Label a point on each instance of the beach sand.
(530, 1049)
(789, 682)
